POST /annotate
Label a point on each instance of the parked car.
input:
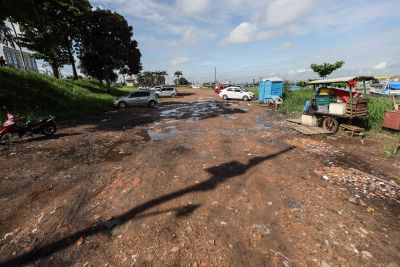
(139, 98)
(234, 92)
(220, 87)
(166, 92)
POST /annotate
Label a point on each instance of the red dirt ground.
(196, 182)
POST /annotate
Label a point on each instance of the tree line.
(59, 31)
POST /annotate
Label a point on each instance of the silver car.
(166, 92)
(140, 98)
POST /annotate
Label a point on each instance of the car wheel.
(173, 95)
(152, 103)
(225, 97)
(245, 98)
(122, 105)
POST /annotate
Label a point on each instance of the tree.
(54, 30)
(178, 74)
(6, 36)
(151, 78)
(106, 46)
(326, 69)
(183, 81)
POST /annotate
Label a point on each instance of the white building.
(13, 58)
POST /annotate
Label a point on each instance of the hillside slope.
(33, 94)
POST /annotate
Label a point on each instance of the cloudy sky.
(249, 39)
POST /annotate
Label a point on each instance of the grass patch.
(254, 90)
(293, 103)
(33, 94)
(377, 107)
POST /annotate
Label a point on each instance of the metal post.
(351, 103)
(365, 88)
(20, 49)
(215, 74)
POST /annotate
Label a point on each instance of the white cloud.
(243, 33)
(299, 71)
(179, 61)
(247, 32)
(286, 46)
(193, 6)
(380, 66)
(280, 12)
(190, 35)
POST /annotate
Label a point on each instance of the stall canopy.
(341, 80)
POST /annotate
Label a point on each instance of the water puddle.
(158, 135)
(261, 123)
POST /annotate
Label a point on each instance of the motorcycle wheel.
(49, 129)
(6, 138)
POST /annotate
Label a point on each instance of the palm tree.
(177, 74)
(6, 36)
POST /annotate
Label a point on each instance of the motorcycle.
(15, 126)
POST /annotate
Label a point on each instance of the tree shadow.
(220, 174)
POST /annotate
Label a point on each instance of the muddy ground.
(197, 182)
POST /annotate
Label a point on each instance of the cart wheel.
(331, 124)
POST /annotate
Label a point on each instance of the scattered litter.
(174, 249)
(325, 178)
(49, 187)
(10, 233)
(295, 205)
(223, 223)
(366, 254)
(262, 228)
(361, 183)
(370, 210)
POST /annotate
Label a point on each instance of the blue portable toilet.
(269, 89)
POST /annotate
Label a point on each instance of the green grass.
(293, 103)
(377, 107)
(254, 90)
(32, 94)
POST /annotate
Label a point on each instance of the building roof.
(273, 79)
(343, 79)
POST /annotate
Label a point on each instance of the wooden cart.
(356, 107)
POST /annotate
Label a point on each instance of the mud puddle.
(200, 109)
(160, 135)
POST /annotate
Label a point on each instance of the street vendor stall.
(337, 101)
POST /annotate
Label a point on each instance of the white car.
(166, 91)
(234, 92)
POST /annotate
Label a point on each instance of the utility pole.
(215, 74)
(20, 49)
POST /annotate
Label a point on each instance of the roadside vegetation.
(32, 94)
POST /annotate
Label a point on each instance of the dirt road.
(196, 182)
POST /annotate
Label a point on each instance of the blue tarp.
(394, 86)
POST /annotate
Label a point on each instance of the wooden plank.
(298, 121)
(311, 130)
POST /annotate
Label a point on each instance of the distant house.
(13, 58)
(130, 82)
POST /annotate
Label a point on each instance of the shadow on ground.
(220, 174)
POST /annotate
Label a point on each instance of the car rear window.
(141, 94)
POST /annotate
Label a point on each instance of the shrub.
(293, 103)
